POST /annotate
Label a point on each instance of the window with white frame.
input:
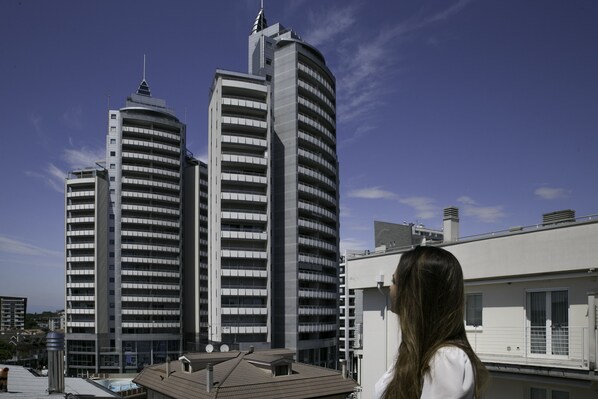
(548, 322)
(473, 310)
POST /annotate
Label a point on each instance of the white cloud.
(550, 193)
(352, 244)
(358, 133)
(55, 178)
(367, 56)
(15, 247)
(425, 207)
(466, 200)
(372, 193)
(486, 214)
(327, 26)
(83, 157)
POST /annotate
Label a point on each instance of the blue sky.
(489, 105)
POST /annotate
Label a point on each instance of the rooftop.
(243, 375)
(22, 383)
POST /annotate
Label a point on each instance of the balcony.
(317, 327)
(244, 178)
(152, 133)
(564, 347)
(249, 216)
(244, 235)
(244, 122)
(253, 329)
(244, 254)
(243, 310)
(151, 145)
(317, 210)
(243, 141)
(244, 197)
(318, 160)
(151, 171)
(243, 292)
(317, 127)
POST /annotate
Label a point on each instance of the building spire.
(144, 89)
(260, 21)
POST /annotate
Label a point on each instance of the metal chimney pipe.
(344, 368)
(167, 366)
(209, 377)
(55, 345)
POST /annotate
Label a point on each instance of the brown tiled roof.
(238, 378)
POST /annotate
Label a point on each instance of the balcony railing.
(565, 347)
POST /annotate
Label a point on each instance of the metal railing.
(559, 346)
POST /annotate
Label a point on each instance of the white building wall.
(503, 269)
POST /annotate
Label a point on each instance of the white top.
(450, 376)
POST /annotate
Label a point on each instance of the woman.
(435, 359)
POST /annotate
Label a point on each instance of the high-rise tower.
(124, 236)
(299, 170)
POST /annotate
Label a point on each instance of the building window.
(268, 61)
(112, 254)
(113, 128)
(543, 393)
(112, 116)
(473, 310)
(548, 322)
(111, 242)
(111, 216)
(112, 178)
(112, 141)
(112, 166)
(112, 229)
(269, 78)
(112, 153)
(112, 191)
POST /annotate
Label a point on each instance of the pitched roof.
(239, 377)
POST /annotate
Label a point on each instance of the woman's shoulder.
(450, 353)
(450, 375)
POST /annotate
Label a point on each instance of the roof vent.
(564, 216)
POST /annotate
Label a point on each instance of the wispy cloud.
(352, 244)
(11, 246)
(36, 122)
(329, 24)
(486, 214)
(372, 193)
(425, 207)
(551, 193)
(366, 60)
(53, 176)
(73, 117)
(359, 132)
(83, 157)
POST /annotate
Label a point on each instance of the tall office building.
(12, 313)
(124, 236)
(274, 199)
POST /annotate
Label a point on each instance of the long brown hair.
(430, 303)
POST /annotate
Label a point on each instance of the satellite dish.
(209, 348)
(224, 348)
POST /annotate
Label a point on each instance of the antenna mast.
(143, 66)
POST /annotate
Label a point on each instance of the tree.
(6, 350)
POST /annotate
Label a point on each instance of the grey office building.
(273, 169)
(124, 243)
